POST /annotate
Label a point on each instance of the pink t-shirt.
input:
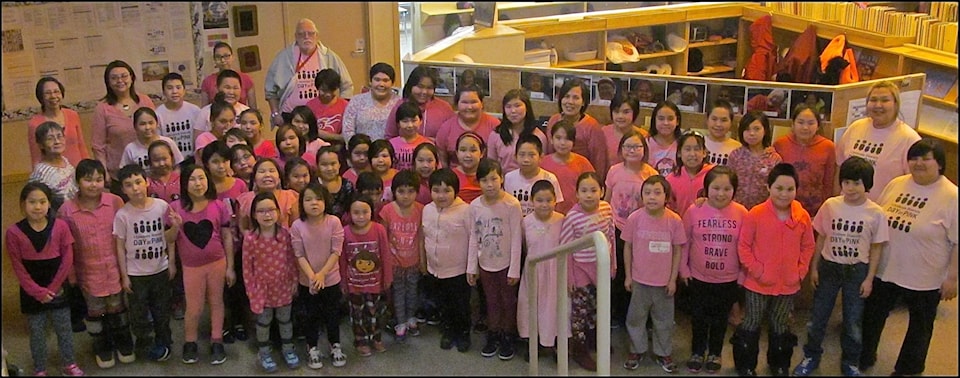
(402, 232)
(625, 188)
(885, 148)
(403, 150)
(76, 147)
(712, 234)
(209, 86)
(199, 240)
(324, 239)
(364, 263)
(567, 174)
(451, 130)
(685, 188)
(329, 116)
(168, 191)
(423, 195)
(351, 175)
(652, 240)
(95, 257)
(435, 113)
(590, 142)
(506, 154)
(850, 230)
(662, 158)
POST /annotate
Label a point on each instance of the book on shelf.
(939, 82)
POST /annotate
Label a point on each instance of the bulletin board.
(74, 42)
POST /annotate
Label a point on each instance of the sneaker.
(126, 357)
(313, 360)
(267, 362)
(413, 330)
(633, 361)
(228, 336)
(507, 349)
(40, 373)
(695, 363)
(189, 353)
(379, 347)
(666, 363)
(290, 357)
(850, 370)
(336, 354)
(446, 342)
(364, 351)
(72, 370)
(463, 344)
(492, 345)
(401, 333)
(240, 333)
(158, 353)
(105, 359)
(217, 354)
(806, 366)
(421, 316)
(713, 364)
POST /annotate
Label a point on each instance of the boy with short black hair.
(176, 115)
(520, 181)
(851, 231)
(144, 248)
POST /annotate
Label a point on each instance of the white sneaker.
(336, 354)
(314, 361)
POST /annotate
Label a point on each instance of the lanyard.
(301, 62)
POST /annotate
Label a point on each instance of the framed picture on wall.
(249, 58)
(245, 21)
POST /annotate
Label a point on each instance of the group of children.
(399, 231)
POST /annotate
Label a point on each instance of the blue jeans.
(846, 279)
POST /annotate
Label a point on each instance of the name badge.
(659, 247)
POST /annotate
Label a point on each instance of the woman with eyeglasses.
(223, 60)
(50, 94)
(113, 118)
(420, 87)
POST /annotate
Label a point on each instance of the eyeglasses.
(53, 92)
(120, 77)
(54, 137)
(222, 57)
(632, 147)
(266, 211)
(304, 34)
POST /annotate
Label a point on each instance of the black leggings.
(322, 307)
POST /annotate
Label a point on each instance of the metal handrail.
(599, 242)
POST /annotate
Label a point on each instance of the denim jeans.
(834, 278)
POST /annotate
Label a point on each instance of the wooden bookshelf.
(725, 41)
(826, 30)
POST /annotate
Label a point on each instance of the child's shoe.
(337, 355)
(72, 370)
(126, 354)
(713, 364)
(401, 333)
(413, 329)
(364, 351)
(290, 357)
(666, 363)
(492, 345)
(267, 362)
(633, 361)
(158, 353)
(105, 359)
(695, 363)
(190, 353)
(806, 366)
(313, 360)
(379, 347)
(228, 336)
(240, 333)
(217, 354)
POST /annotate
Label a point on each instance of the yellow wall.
(340, 24)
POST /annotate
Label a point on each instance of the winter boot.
(102, 341)
(122, 339)
(779, 352)
(746, 347)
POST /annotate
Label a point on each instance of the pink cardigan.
(775, 254)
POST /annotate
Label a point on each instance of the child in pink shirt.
(164, 173)
(653, 238)
(754, 159)
(358, 146)
(251, 122)
(687, 178)
(664, 133)
(402, 219)
(317, 239)
(207, 259)
(624, 110)
(367, 271)
(426, 161)
(420, 88)
(328, 106)
(565, 164)
(710, 266)
(775, 248)
(409, 118)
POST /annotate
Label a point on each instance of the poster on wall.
(820, 102)
(605, 88)
(446, 81)
(734, 94)
(560, 79)
(215, 15)
(771, 101)
(649, 92)
(471, 76)
(688, 97)
(539, 84)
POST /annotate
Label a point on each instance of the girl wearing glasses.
(223, 60)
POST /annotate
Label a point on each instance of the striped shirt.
(578, 223)
(59, 179)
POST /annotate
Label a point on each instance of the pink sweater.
(775, 254)
(317, 243)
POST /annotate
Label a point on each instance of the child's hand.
(125, 284)
(628, 285)
(865, 288)
(47, 297)
(815, 280)
(175, 220)
(671, 288)
(513, 281)
(685, 280)
(231, 277)
(472, 279)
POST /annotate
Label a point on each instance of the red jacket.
(775, 254)
(764, 59)
(802, 60)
